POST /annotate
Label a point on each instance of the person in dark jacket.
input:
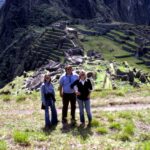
(83, 88)
(48, 100)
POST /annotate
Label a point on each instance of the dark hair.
(45, 76)
(68, 67)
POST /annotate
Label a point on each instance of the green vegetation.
(115, 125)
(21, 137)
(110, 49)
(6, 98)
(3, 145)
(20, 98)
(102, 130)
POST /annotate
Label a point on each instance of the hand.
(77, 93)
(88, 96)
(61, 94)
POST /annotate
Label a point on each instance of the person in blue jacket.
(48, 101)
(67, 94)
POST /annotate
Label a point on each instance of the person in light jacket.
(48, 101)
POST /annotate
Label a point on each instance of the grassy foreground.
(22, 126)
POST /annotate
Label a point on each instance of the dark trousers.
(66, 99)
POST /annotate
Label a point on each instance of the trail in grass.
(100, 108)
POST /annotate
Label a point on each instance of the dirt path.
(101, 108)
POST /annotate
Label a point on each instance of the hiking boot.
(73, 122)
(82, 125)
(89, 124)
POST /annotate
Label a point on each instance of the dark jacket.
(83, 89)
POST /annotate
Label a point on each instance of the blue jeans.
(53, 120)
(85, 104)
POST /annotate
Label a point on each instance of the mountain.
(20, 21)
(131, 11)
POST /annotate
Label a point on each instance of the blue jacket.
(46, 88)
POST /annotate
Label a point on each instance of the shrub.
(21, 137)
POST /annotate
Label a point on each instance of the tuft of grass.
(146, 145)
(126, 115)
(21, 137)
(129, 128)
(110, 117)
(102, 130)
(115, 125)
(3, 145)
(6, 98)
(95, 123)
(144, 137)
(124, 136)
(21, 98)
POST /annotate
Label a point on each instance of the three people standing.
(71, 87)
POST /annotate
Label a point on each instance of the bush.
(21, 137)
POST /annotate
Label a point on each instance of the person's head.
(68, 70)
(47, 78)
(82, 75)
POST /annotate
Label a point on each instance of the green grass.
(124, 136)
(103, 45)
(102, 130)
(95, 123)
(125, 115)
(146, 145)
(6, 98)
(21, 137)
(3, 145)
(129, 128)
(115, 125)
(20, 98)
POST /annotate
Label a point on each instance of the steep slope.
(132, 11)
